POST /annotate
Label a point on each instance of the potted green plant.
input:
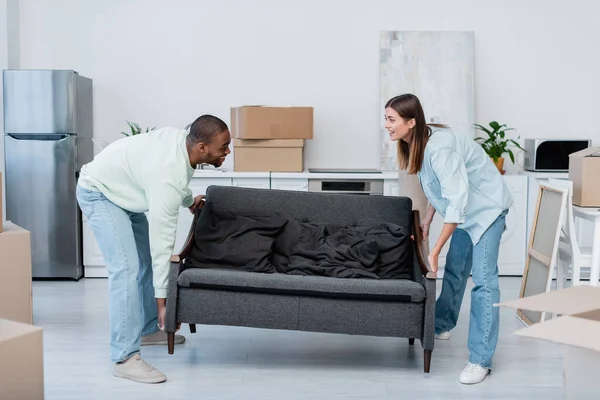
(135, 129)
(496, 144)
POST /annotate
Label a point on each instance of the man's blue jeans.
(125, 245)
(482, 260)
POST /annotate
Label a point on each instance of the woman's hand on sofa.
(425, 224)
(198, 203)
(432, 259)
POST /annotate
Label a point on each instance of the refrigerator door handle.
(53, 136)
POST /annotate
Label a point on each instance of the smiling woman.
(463, 185)
(404, 116)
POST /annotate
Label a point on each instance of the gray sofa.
(351, 304)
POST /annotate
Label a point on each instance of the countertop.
(214, 173)
(312, 175)
(545, 175)
(386, 175)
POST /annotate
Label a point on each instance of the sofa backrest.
(322, 208)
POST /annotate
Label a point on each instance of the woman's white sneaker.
(473, 373)
(443, 335)
(138, 370)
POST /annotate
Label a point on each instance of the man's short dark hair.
(204, 129)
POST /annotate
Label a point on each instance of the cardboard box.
(271, 155)
(15, 274)
(577, 326)
(584, 169)
(1, 202)
(21, 361)
(260, 122)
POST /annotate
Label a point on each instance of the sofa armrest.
(172, 295)
(428, 338)
(426, 277)
(189, 241)
(418, 239)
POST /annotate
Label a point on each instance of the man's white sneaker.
(443, 335)
(473, 373)
(138, 370)
(160, 337)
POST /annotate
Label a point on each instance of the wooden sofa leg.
(171, 342)
(411, 341)
(427, 364)
(192, 328)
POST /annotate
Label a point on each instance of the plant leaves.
(516, 144)
(497, 144)
(482, 128)
(135, 129)
(512, 156)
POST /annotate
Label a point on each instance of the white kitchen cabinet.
(391, 187)
(93, 261)
(513, 246)
(184, 223)
(198, 186)
(297, 184)
(257, 183)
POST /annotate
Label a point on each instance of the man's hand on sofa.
(161, 305)
(198, 203)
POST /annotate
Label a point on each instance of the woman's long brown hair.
(410, 155)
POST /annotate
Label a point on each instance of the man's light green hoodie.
(149, 172)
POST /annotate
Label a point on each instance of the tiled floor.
(239, 363)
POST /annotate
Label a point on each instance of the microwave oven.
(551, 155)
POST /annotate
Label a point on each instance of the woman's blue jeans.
(482, 261)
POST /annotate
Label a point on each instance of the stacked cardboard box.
(15, 274)
(584, 168)
(270, 139)
(1, 216)
(575, 325)
(21, 361)
(20, 342)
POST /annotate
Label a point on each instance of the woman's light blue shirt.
(462, 183)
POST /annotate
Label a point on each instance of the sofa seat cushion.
(399, 290)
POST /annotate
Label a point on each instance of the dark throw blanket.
(380, 251)
(226, 240)
(273, 243)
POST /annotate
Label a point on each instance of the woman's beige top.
(410, 187)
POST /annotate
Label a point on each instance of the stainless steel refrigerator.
(47, 138)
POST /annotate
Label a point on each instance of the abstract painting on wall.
(437, 67)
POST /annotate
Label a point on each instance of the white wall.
(9, 58)
(537, 64)
(3, 65)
